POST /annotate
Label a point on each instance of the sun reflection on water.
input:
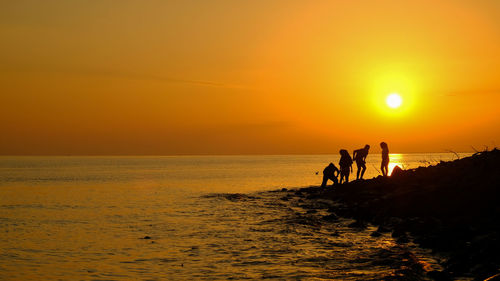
(395, 160)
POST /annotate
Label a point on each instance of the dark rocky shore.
(452, 208)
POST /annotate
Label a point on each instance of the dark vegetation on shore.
(452, 208)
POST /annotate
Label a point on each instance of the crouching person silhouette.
(330, 173)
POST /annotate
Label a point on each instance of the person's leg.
(334, 179)
(363, 170)
(325, 179)
(382, 168)
(347, 176)
(358, 171)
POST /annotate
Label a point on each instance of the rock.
(284, 189)
(495, 277)
(383, 229)
(331, 217)
(396, 172)
(146, 237)
(398, 233)
(402, 239)
(376, 234)
(439, 275)
(331, 209)
(395, 221)
(451, 208)
(357, 224)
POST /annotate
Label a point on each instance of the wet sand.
(451, 208)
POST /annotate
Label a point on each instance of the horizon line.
(210, 154)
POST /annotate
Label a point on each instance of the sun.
(394, 100)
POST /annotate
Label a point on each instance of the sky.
(247, 77)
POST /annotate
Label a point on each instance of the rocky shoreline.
(452, 208)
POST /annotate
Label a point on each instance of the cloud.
(49, 69)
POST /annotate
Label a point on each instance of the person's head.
(367, 147)
(343, 152)
(330, 165)
(383, 145)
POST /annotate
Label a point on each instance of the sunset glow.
(176, 77)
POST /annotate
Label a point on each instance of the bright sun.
(394, 100)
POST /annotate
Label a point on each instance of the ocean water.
(203, 217)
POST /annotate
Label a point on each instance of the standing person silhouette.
(330, 173)
(384, 166)
(345, 164)
(360, 158)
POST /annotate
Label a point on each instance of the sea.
(185, 218)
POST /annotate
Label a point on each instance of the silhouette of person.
(329, 174)
(360, 158)
(384, 166)
(345, 164)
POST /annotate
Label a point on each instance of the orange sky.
(238, 77)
